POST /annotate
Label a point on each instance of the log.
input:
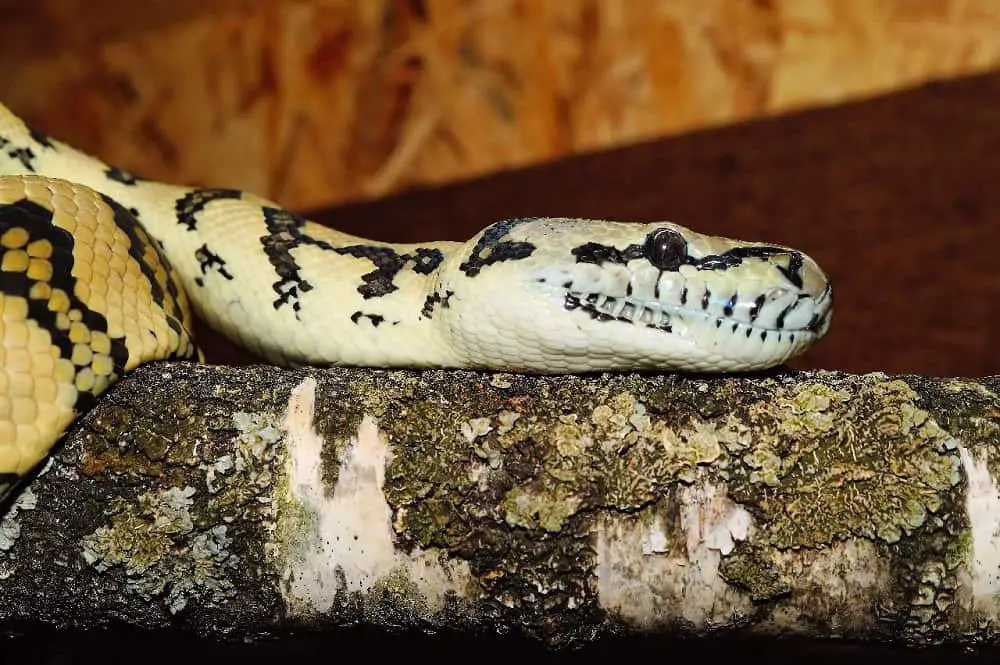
(243, 502)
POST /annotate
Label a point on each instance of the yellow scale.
(39, 386)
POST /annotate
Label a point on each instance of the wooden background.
(314, 102)
(408, 119)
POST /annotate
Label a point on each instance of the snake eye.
(665, 248)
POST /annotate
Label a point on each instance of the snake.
(102, 271)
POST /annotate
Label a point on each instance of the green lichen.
(810, 410)
(250, 472)
(618, 444)
(831, 462)
(508, 473)
(608, 451)
(751, 569)
(397, 594)
(170, 548)
(253, 482)
(928, 570)
(527, 509)
(154, 542)
(816, 462)
(765, 463)
(971, 411)
(296, 531)
(128, 442)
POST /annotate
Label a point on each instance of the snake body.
(100, 271)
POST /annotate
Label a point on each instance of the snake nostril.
(665, 248)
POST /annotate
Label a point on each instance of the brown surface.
(316, 102)
(898, 199)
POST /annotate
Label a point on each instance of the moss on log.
(237, 502)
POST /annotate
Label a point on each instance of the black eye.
(665, 248)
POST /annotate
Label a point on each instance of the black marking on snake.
(667, 250)
(755, 308)
(426, 260)
(780, 321)
(684, 295)
(387, 262)
(705, 298)
(119, 175)
(492, 248)
(40, 138)
(730, 306)
(285, 234)
(819, 320)
(763, 335)
(434, 299)
(597, 253)
(736, 256)
(137, 239)
(24, 155)
(376, 319)
(816, 322)
(189, 205)
(208, 259)
(37, 220)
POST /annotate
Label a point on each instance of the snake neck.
(290, 290)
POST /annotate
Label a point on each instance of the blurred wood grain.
(317, 102)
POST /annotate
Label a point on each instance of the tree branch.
(241, 501)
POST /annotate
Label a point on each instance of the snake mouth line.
(661, 315)
(627, 310)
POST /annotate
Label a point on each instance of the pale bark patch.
(351, 544)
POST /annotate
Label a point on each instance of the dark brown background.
(897, 198)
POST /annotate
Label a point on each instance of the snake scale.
(100, 272)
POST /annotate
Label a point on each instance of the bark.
(237, 502)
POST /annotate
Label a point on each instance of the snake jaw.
(609, 291)
(703, 328)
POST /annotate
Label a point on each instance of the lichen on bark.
(263, 500)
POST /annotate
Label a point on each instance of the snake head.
(566, 295)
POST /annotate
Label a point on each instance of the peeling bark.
(249, 501)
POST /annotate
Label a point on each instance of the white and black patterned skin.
(535, 295)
